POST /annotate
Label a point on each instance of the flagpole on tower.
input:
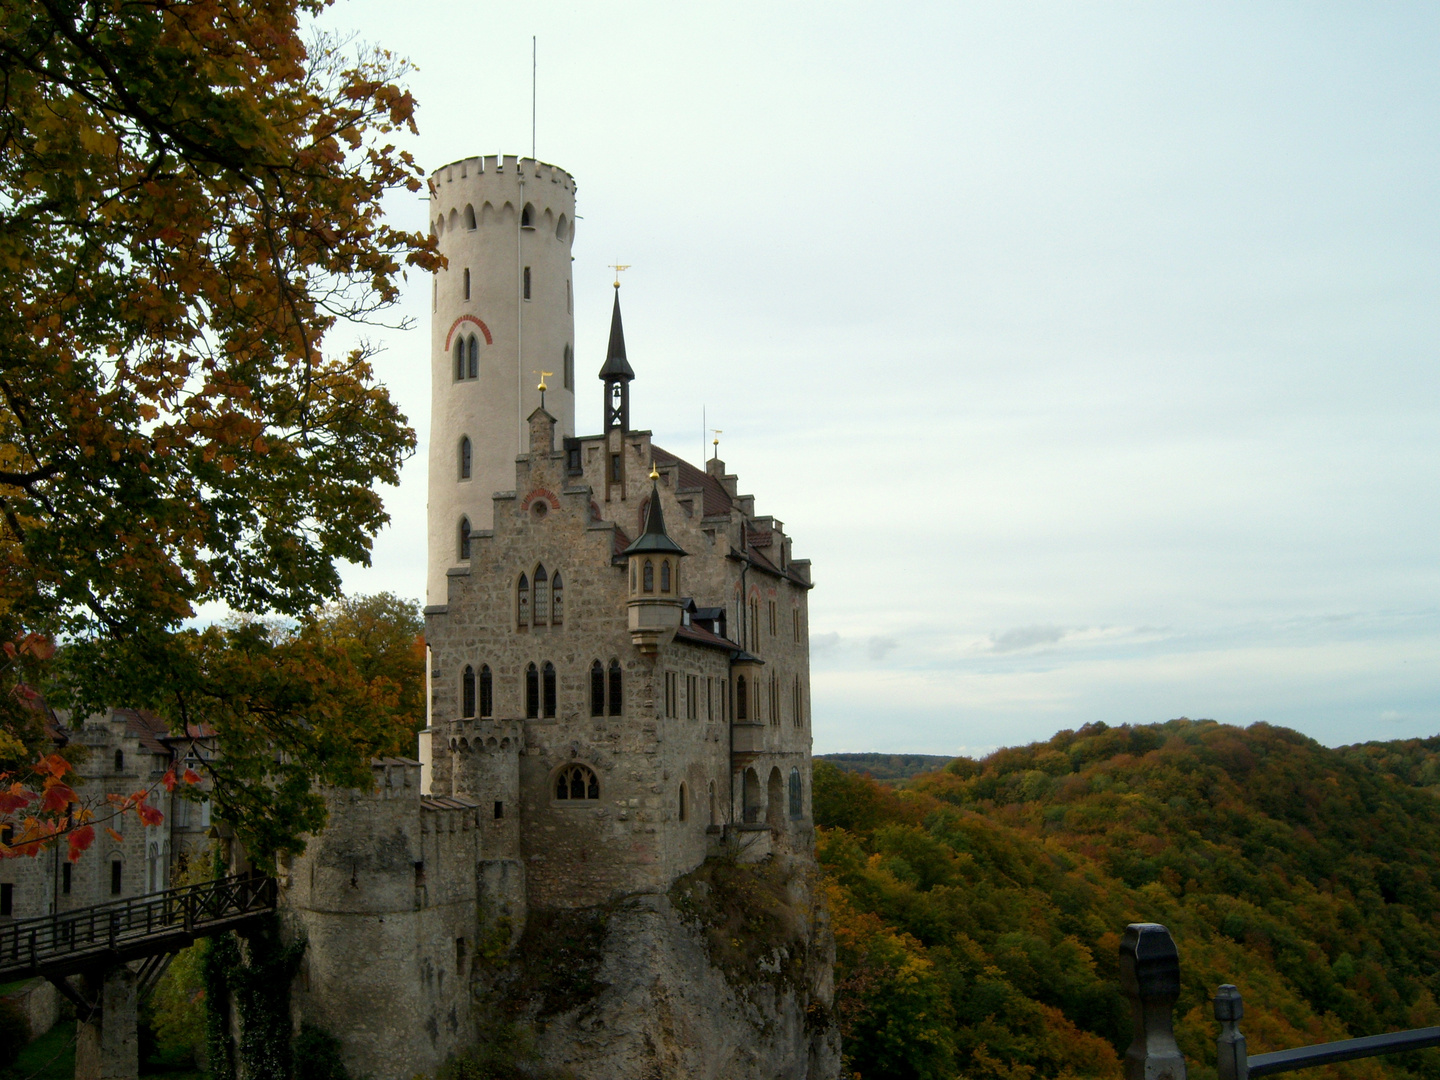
(534, 70)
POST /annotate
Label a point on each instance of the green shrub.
(317, 1055)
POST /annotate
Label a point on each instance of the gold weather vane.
(542, 386)
(716, 441)
(654, 472)
(617, 267)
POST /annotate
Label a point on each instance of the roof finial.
(654, 470)
(716, 441)
(617, 267)
(542, 388)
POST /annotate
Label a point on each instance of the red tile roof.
(716, 501)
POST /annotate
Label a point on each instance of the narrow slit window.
(617, 696)
(467, 692)
(527, 283)
(597, 689)
(116, 873)
(487, 691)
(542, 597)
(548, 677)
(740, 702)
(459, 359)
(464, 539)
(467, 283)
(532, 692)
(473, 354)
(465, 454)
(569, 368)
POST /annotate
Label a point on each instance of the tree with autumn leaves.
(190, 209)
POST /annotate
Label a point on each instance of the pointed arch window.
(797, 795)
(648, 575)
(542, 596)
(577, 782)
(467, 692)
(532, 692)
(522, 603)
(464, 539)
(527, 217)
(547, 677)
(665, 576)
(487, 691)
(459, 358)
(473, 365)
(465, 457)
(469, 217)
(597, 689)
(617, 696)
(741, 702)
(557, 600)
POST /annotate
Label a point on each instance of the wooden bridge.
(158, 924)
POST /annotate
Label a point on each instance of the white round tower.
(500, 314)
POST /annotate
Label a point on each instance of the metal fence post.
(1230, 1045)
(1150, 978)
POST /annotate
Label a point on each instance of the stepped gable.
(716, 500)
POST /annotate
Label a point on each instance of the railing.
(128, 929)
(1150, 978)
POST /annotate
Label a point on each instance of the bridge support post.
(107, 1045)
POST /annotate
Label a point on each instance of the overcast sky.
(1088, 350)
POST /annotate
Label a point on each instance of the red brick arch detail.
(450, 334)
(540, 493)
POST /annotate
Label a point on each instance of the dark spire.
(654, 538)
(616, 366)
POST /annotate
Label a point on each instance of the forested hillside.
(977, 912)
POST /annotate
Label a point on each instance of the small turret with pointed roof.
(617, 373)
(654, 558)
(654, 538)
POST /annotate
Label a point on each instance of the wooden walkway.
(70, 942)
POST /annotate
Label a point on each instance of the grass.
(52, 1057)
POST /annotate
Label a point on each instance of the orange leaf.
(58, 797)
(191, 776)
(114, 835)
(149, 815)
(80, 839)
(169, 780)
(55, 765)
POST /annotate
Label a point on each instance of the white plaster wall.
(525, 336)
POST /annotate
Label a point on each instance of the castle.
(618, 690)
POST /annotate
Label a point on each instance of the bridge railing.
(1150, 978)
(28, 944)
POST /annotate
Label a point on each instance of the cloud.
(1026, 637)
(879, 646)
(824, 643)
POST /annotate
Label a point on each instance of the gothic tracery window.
(557, 600)
(648, 576)
(522, 602)
(665, 576)
(577, 782)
